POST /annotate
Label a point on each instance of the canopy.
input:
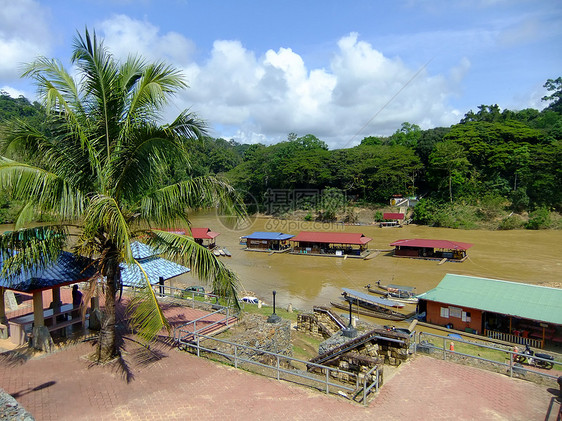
(332, 237)
(434, 244)
(153, 265)
(266, 235)
(68, 269)
(369, 298)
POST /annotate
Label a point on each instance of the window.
(445, 312)
(466, 316)
(455, 312)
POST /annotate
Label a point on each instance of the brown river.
(303, 281)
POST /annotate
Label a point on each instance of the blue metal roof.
(369, 298)
(141, 250)
(154, 266)
(266, 235)
(68, 269)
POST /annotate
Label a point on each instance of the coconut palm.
(95, 167)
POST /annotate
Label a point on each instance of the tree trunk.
(451, 187)
(107, 344)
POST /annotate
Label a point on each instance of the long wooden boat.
(398, 291)
(399, 298)
(372, 313)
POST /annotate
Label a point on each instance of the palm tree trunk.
(107, 348)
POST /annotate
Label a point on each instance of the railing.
(181, 333)
(363, 383)
(508, 337)
(510, 353)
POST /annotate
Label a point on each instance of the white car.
(250, 300)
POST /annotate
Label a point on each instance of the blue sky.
(339, 70)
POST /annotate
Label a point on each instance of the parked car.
(249, 300)
(193, 291)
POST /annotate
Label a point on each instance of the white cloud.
(24, 35)
(125, 36)
(271, 96)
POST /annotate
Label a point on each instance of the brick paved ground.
(168, 384)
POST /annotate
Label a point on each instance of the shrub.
(511, 222)
(539, 219)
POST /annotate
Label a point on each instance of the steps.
(212, 329)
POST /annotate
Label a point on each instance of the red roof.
(203, 233)
(391, 215)
(332, 237)
(435, 244)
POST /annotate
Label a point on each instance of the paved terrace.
(167, 384)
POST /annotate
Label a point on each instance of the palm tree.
(95, 167)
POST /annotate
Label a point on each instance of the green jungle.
(495, 169)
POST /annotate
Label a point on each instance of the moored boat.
(372, 313)
(379, 307)
(400, 298)
(401, 292)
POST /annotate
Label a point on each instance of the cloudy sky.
(341, 70)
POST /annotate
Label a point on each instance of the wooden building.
(205, 237)
(431, 249)
(331, 243)
(510, 311)
(392, 219)
(267, 241)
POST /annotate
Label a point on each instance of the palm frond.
(103, 214)
(46, 190)
(172, 202)
(145, 312)
(184, 250)
(31, 248)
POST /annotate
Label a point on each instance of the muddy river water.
(303, 281)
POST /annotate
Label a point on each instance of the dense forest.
(499, 163)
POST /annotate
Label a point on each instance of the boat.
(376, 307)
(398, 297)
(372, 313)
(226, 252)
(398, 292)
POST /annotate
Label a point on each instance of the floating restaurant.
(338, 244)
(453, 251)
(267, 241)
(509, 311)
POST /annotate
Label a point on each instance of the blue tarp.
(265, 235)
(68, 269)
(369, 298)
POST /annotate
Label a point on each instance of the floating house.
(431, 249)
(202, 236)
(509, 311)
(205, 237)
(392, 219)
(331, 244)
(267, 241)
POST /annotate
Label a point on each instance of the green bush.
(539, 219)
(511, 222)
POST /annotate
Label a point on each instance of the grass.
(266, 311)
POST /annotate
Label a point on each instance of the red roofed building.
(204, 236)
(431, 249)
(392, 219)
(330, 243)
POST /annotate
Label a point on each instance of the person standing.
(76, 296)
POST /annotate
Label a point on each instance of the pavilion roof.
(68, 269)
